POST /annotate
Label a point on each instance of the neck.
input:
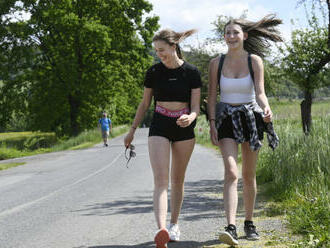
(174, 63)
(236, 53)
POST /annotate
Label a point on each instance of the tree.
(15, 58)
(302, 64)
(88, 56)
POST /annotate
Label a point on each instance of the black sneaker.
(229, 236)
(250, 230)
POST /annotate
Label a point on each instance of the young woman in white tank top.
(238, 94)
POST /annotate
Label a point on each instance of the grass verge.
(9, 165)
(84, 140)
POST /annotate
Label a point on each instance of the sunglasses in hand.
(129, 154)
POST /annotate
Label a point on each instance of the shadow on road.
(181, 244)
(200, 200)
(200, 197)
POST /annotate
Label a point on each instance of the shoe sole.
(162, 238)
(252, 238)
(226, 238)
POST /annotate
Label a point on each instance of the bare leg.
(159, 153)
(249, 159)
(181, 153)
(229, 151)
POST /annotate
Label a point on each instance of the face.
(234, 36)
(164, 51)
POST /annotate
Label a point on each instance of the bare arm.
(143, 107)
(261, 97)
(195, 102)
(186, 120)
(212, 98)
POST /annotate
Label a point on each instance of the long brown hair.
(259, 33)
(171, 37)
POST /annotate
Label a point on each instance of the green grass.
(84, 140)
(9, 165)
(296, 176)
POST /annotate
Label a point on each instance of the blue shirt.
(105, 124)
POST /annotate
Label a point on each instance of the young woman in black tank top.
(175, 86)
(241, 122)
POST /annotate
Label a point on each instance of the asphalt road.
(88, 198)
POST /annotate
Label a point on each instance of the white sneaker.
(174, 232)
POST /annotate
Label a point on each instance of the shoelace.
(252, 228)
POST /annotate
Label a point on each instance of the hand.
(184, 120)
(214, 135)
(128, 139)
(268, 115)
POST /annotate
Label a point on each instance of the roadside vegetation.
(20, 144)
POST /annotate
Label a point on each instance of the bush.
(27, 140)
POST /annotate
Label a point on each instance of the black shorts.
(165, 126)
(226, 128)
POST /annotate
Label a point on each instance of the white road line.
(29, 204)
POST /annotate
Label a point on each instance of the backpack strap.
(250, 67)
(221, 60)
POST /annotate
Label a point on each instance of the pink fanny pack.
(171, 113)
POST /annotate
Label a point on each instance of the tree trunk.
(328, 2)
(306, 112)
(74, 107)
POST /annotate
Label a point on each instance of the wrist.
(193, 115)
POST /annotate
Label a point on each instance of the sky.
(181, 15)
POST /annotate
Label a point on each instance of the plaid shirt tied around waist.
(224, 110)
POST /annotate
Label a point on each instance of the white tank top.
(237, 90)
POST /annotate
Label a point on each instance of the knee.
(231, 176)
(160, 183)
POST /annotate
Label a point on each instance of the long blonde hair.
(171, 37)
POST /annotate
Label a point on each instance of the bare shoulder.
(256, 59)
(257, 62)
(214, 62)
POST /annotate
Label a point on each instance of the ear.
(174, 47)
(245, 35)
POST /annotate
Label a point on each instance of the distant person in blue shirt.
(106, 127)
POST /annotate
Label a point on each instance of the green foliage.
(298, 174)
(5, 166)
(73, 59)
(201, 59)
(303, 56)
(27, 140)
(21, 141)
